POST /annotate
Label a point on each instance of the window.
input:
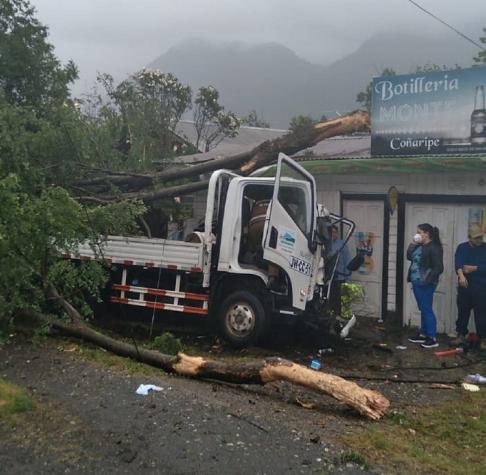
(294, 194)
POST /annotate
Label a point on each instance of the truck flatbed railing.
(160, 299)
(146, 252)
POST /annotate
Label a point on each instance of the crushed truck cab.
(264, 254)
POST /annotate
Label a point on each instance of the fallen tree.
(153, 186)
(370, 403)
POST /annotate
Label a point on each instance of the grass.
(352, 457)
(449, 438)
(13, 400)
(120, 363)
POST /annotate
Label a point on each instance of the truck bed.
(147, 252)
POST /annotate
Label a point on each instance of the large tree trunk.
(151, 187)
(370, 403)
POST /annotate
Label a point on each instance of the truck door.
(289, 230)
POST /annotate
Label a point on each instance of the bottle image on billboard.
(478, 118)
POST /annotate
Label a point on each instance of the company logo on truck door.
(300, 266)
(287, 240)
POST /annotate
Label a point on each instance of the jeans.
(424, 295)
(471, 299)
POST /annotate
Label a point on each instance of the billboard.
(429, 113)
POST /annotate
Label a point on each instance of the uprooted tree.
(51, 152)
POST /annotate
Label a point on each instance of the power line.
(447, 25)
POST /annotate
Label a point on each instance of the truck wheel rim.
(240, 319)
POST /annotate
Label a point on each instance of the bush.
(351, 293)
(167, 343)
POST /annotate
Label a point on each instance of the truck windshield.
(294, 195)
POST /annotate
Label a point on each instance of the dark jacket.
(473, 256)
(431, 262)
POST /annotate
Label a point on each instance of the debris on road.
(454, 351)
(470, 387)
(144, 389)
(315, 364)
(382, 347)
(475, 378)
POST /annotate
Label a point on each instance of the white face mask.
(417, 238)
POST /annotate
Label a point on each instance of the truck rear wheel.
(242, 318)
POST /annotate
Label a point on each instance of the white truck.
(264, 254)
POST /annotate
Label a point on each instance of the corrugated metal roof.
(247, 139)
(358, 145)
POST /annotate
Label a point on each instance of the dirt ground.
(90, 420)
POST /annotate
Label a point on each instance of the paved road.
(93, 422)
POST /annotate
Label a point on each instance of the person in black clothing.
(470, 264)
(426, 257)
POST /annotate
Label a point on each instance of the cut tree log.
(370, 403)
(151, 187)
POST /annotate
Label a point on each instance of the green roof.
(397, 165)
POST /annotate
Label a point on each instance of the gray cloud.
(121, 36)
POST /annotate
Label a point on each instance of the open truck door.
(289, 231)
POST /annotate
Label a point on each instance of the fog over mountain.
(278, 84)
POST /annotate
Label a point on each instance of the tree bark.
(370, 403)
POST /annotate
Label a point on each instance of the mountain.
(279, 85)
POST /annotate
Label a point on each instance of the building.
(448, 191)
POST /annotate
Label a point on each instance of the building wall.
(420, 183)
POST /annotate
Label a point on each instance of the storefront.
(448, 192)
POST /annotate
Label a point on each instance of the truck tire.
(242, 318)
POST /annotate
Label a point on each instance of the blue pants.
(424, 295)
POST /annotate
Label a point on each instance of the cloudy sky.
(120, 36)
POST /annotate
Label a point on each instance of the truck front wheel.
(242, 318)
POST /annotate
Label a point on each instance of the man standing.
(470, 263)
(341, 274)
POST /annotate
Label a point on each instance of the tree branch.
(245, 162)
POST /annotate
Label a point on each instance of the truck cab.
(268, 250)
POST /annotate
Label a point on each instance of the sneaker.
(430, 343)
(417, 338)
(458, 341)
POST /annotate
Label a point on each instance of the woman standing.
(425, 254)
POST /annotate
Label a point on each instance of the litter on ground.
(144, 389)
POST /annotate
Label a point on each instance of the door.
(443, 216)
(452, 221)
(290, 226)
(368, 239)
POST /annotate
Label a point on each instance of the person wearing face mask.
(426, 256)
(470, 264)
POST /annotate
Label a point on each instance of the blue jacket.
(472, 256)
(342, 273)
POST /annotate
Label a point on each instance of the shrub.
(351, 293)
(167, 343)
